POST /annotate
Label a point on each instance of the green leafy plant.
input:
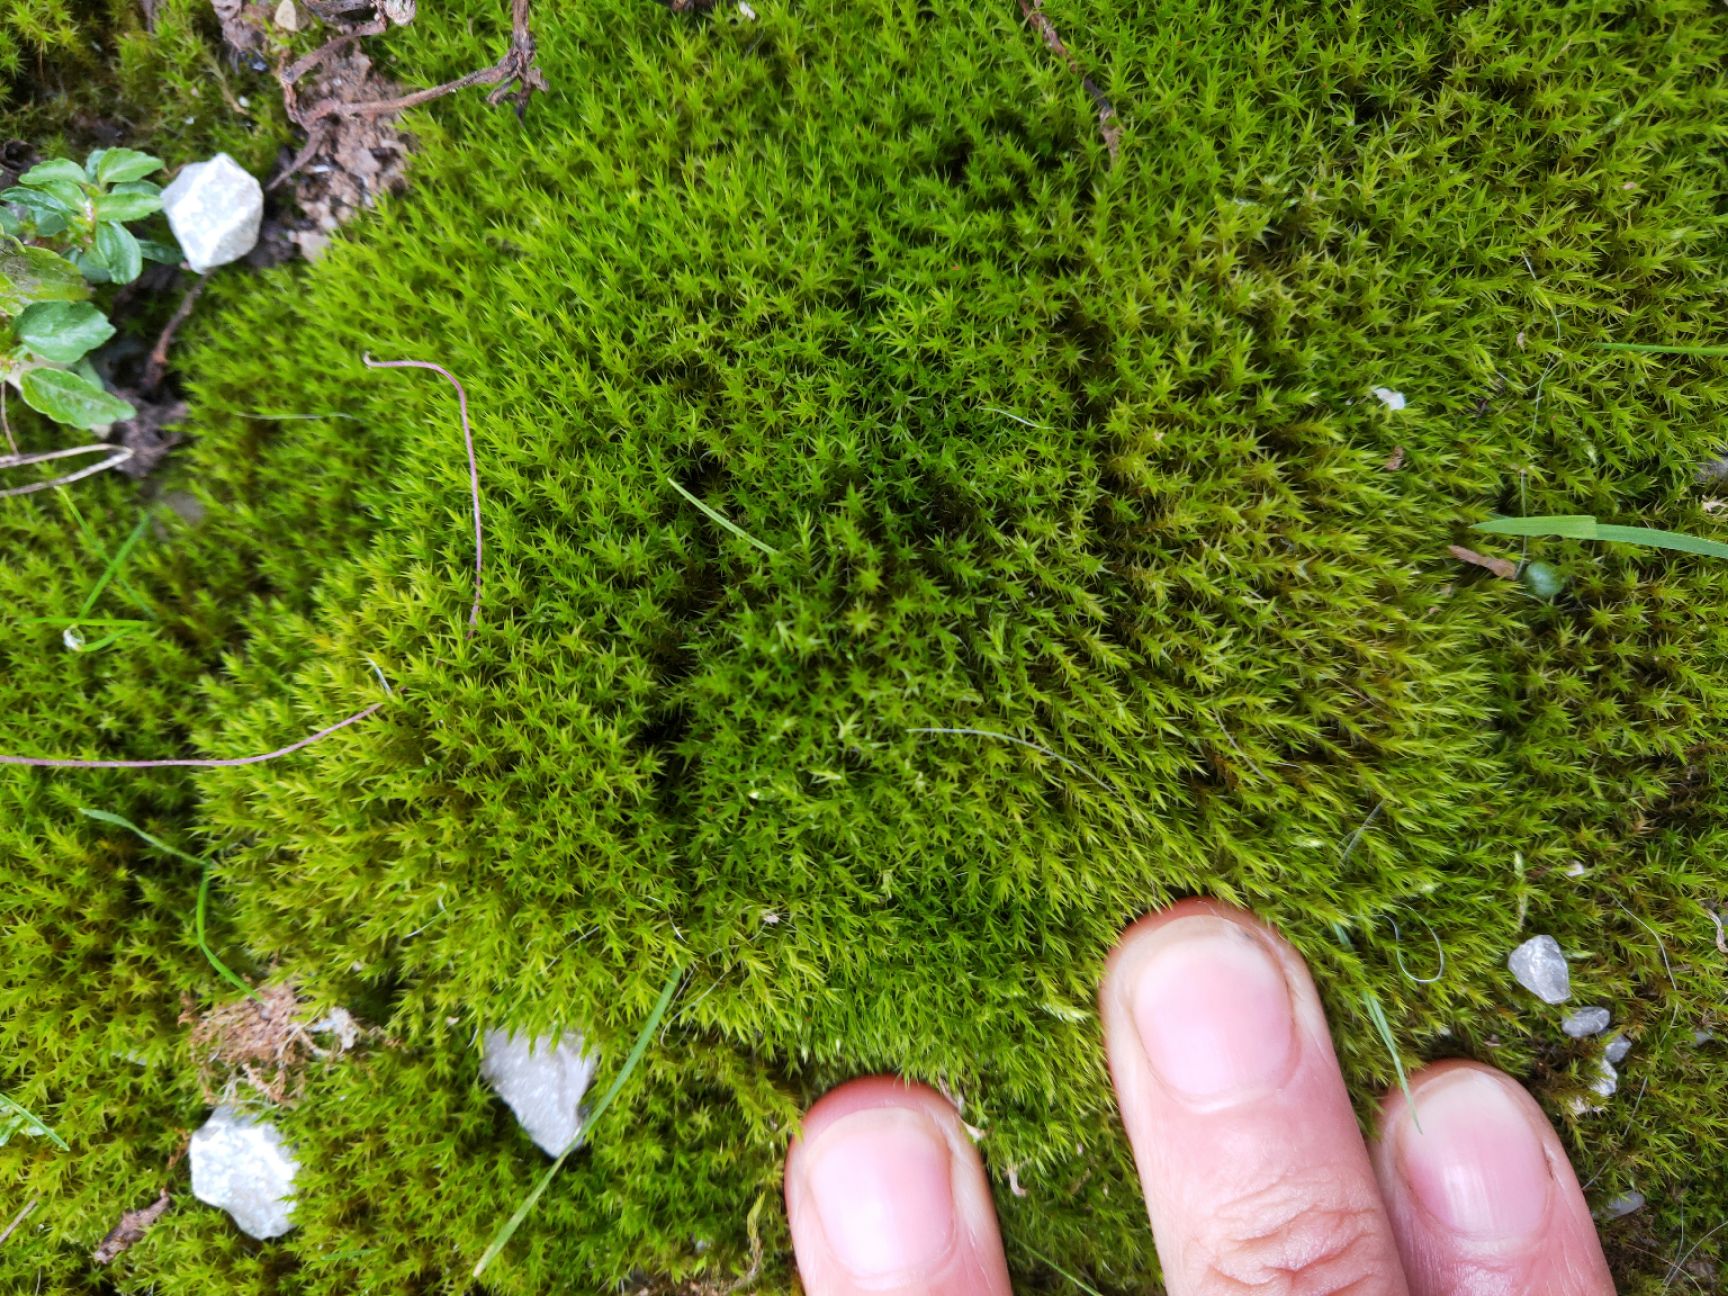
(63, 228)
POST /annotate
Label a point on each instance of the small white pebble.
(1621, 1206)
(1581, 1023)
(541, 1082)
(1392, 400)
(1607, 1079)
(243, 1166)
(1541, 969)
(1617, 1049)
(746, 10)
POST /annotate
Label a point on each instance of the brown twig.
(157, 366)
(1501, 567)
(306, 62)
(40, 762)
(518, 66)
(19, 1218)
(473, 465)
(1108, 126)
(117, 455)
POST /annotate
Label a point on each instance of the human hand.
(1255, 1175)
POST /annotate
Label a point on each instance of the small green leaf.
(164, 253)
(71, 197)
(120, 251)
(116, 166)
(127, 206)
(72, 399)
(92, 265)
(9, 222)
(57, 169)
(35, 200)
(33, 274)
(63, 331)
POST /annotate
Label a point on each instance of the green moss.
(79, 73)
(799, 266)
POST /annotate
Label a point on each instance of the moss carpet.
(1075, 452)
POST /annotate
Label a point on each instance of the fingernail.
(883, 1192)
(1213, 1011)
(1476, 1164)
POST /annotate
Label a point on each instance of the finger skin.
(1272, 1190)
(970, 1263)
(1562, 1257)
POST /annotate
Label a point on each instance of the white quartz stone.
(1392, 400)
(1541, 969)
(1607, 1079)
(243, 1166)
(215, 209)
(1622, 1206)
(1617, 1049)
(541, 1082)
(1581, 1023)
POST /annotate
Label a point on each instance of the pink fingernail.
(1213, 1010)
(883, 1191)
(1477, 1164)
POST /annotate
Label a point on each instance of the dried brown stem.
(40, 762)
(157, 366)
(1108, 126)
(117, 456)
(518, 67)
(1501, 567)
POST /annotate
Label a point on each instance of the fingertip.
(885, 1193)
(1480, 1192)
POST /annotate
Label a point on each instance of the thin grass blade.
(15, 1118)
(222, 969)
(1383, 1028)
(1581, 526)
(731, 526)
(1647, 348)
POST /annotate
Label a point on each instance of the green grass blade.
(503, 1236)
(92, 623)
(731, 526)
(1581, 526)
(1663, 540)
(116, 562)
(222, 969)
(16, 1118)
(1383, 1028)
(1045, 1260)
(1646, 348)
(1567, 526)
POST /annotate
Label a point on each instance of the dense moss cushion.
(1098, 577)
